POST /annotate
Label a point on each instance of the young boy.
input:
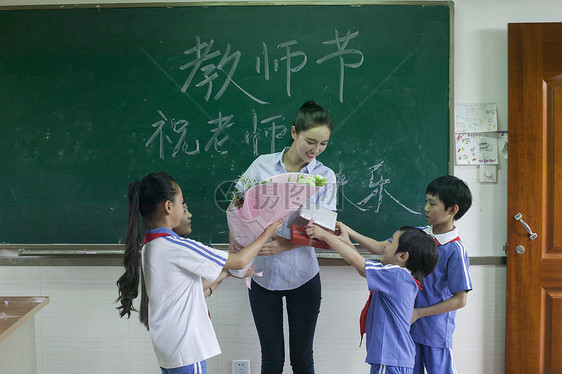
(445, 290)
(407, 258)
(447, 199)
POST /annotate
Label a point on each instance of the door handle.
(519, 217)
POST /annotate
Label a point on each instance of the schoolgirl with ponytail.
(171, 273)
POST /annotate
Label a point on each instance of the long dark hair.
(144, 197)
(422, 249)
(311, 115)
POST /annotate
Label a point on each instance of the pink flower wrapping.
(265, 203)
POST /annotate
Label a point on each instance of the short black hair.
(451, 191)
(422, 250)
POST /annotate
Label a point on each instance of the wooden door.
(534, 267)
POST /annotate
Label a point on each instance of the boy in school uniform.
(445, 289)
(447, 199)
(408, 257)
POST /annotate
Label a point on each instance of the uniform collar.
(157, 233)
(444, 238)
(162, 230)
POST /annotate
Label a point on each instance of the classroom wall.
(80, 327)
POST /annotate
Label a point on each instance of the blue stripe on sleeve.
(464, 256)
(198, 248)
(375, 265)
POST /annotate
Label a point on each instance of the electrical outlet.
(488, 173)
(240, 366)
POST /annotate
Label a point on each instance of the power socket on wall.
(240, 366)
(488, 173)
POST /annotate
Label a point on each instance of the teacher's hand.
(276, 245)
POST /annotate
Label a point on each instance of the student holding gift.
(433, 322)
(289, 270)
(172, 301)
(408, 257)
(184, 229)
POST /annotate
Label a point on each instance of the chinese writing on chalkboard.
(215, 70)
(203, 59)
(377, 191)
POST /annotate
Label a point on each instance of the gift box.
(323, 217)
(298, 236)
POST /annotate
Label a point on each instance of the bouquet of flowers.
(250, 212)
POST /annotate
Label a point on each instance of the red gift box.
(298, 236)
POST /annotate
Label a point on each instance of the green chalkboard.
(93, 98)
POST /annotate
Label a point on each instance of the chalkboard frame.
(76, 248)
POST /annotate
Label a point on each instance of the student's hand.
(342, 233)
(249, 273)
(341, 229)
(316, 232)
(272, 229)
(234, 246)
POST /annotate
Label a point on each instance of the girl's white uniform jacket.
(178, 318)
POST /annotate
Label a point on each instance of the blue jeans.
(303, 306)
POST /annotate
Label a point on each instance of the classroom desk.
(17, 333)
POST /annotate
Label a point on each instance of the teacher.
(290, 271)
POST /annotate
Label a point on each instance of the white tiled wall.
(478, 344)
(80, 328)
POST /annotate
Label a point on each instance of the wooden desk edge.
(31, 313)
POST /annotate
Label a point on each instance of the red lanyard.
(153, 235)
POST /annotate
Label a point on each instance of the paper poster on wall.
(475, 149)
(470, 118)
(502, 143)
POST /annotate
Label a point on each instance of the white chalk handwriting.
(377, 188)
(213, 66)
(271, 129)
